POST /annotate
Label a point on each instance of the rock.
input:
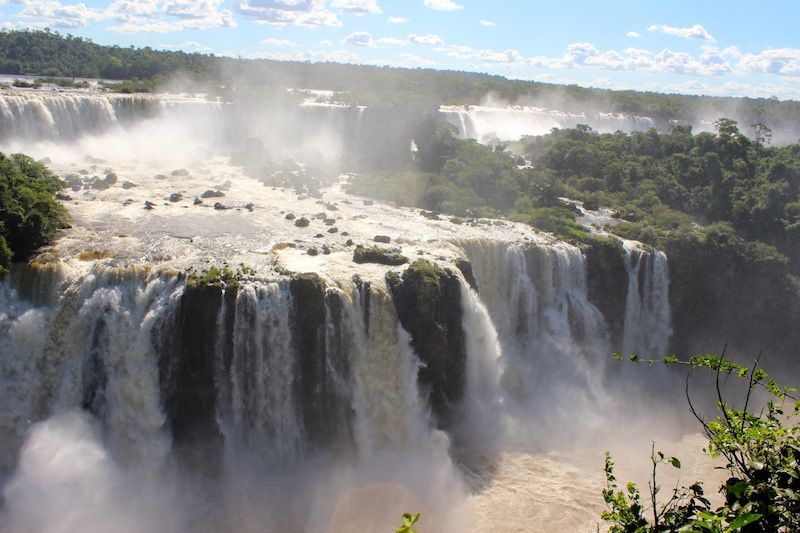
(209, 193)
(175, 197)
(149, 205)
(64, 197)
(333, 230)
(182, 172)
(127, 202)
(349, 242)
(319, 236)
(321, 216)
(103, 184)
(290, 216)
(381, 256)
(111, 178)
(428, 303)
(457, 220)
(329, 221)
(331, 207)
(312, 251)
(128, 185)
(326, 250)
(302, 222)
(369, 202)
(219, 207)
(197, 201)
(430, 215)
(345, 234)
(249, 207)
(466, 269)
(83, 171)
(382, 238)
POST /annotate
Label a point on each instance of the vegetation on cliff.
(30, 216)
(761, 450)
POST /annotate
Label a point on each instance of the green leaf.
(744, 519)
(675, 462)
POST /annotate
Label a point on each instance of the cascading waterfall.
(487, 124)
(66, 116)
(92, 349)
(647, 326)
(548, 329)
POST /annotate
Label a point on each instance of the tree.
(762, 455)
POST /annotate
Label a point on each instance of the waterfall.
(43, 115)
(487, 124)
(554, 341)
(93, 349)
(647, 325)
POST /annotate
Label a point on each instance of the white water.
(491, 124)
(648, 325)
(536, 352)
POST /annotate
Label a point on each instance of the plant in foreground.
(762, 455)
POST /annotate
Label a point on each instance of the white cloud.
(316, 56)
(158, 16)
(186, 45)
(782, 61)
(443, 5)
(302, 13)
(280, 42)
(429, 39)
(633, 34)
(503, 57)
(692, 32)
(357, 7)
(326, 43)
(39, 13)
(359, 38)
(484, 22)
(397, 20)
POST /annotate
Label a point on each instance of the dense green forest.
(48, 53)
(30, 216)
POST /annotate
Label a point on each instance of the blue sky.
(738, 48)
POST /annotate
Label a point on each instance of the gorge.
(187, 356)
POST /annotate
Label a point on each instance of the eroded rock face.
(325, 413)
(608, 283)
(428, 303)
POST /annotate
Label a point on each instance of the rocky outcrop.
(428, 303)
(608, 283)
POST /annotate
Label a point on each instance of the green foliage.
(762, 455)
(408, 521)
(223, 277)
(30, 216)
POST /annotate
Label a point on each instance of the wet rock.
(378, 255)
(428, 303)
(219, 207)
(382, 238)
(345, 234)
(312, 251)
(209, 193)
(430, 215)
(175, 197)
(103, 184)
(128, 185)
(319, 236)
(326, 250)
(111, 177)
(349, 242)
(149, 205)
(127, 202)
(290, 216)
(331, 207)
(302, 222)
(249, 207)
(466, 269)
(197, 201)
(181, 172)
(333, 230)
(329, 221)
(321, 216)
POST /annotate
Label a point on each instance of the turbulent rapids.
(309, 392)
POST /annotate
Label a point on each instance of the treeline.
(47, 53)
(30, 216)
